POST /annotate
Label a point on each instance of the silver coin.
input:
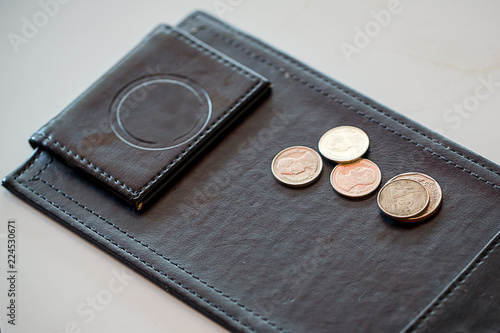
(297, 166)
(403, 198)
(344, 144)
(432, 187)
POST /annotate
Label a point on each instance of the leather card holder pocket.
(139, 125)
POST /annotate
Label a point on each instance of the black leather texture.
(257, 256)
(140, 124)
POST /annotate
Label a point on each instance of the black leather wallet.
(228, 239)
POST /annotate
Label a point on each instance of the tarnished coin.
(403, 198)
(356, 179)
(433, 189)
(297, 166)
(344, 144)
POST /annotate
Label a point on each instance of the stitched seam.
(210, 53)
(137, 257)
(239, 304)
(436, 306)
(37, 175)
(84, 160)
(348, 106)
(137, 193)
(339, 87)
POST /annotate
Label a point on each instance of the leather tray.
(257, 256)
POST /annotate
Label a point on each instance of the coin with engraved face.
(356, 179)
(433, 189)
(297, 166)
(403, 198)
(344, 144)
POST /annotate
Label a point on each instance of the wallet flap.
(140, 124)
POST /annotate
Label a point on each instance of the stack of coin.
(410, 197)
(354, 176)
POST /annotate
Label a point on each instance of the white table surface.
(430, 56)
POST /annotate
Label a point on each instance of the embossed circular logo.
(160, 112)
